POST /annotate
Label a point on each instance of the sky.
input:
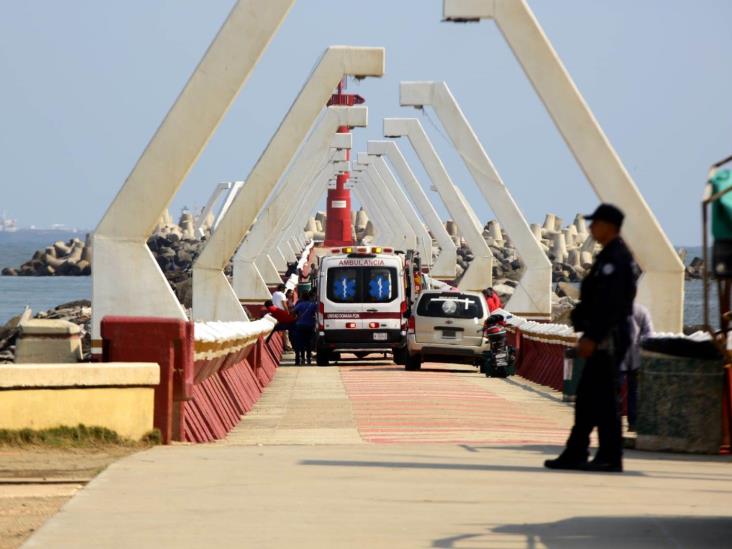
(85, 84)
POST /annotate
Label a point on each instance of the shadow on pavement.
(608, 532)
(555, 450)
(449, 466)
(547, 393)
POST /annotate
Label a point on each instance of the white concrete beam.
(407, 238)
(479, 273)
(213, 297)
(248, 281)
(444, 265)
(404, 205)
(532, 297)
(386, 233)
(661, 288)
(126, 279)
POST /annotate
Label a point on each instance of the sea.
(43, 293)
(40, 293)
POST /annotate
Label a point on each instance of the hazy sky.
(84, 85)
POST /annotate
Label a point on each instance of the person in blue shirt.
(304, 330)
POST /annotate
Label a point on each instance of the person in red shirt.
(285, 321)
(280, 315)
(494, 302)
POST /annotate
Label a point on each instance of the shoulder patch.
(608, 269)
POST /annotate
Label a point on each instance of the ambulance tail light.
(350, 324)
(373, 324)
(321, 314)
(411, 324)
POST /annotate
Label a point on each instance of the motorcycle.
(500, 361)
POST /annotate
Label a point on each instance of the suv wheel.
(400, 356)
(413, 362)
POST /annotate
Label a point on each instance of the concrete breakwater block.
(679, 404)
(48, 341)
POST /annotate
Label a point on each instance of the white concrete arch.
(248, 283)
(391, 204)
(532, 296)
(213, 296)
(424, 240)
(387, 233)
(294, 227)
(479, 273)
(444, 265)
(280, 243)
(126, 279)
(661, 288)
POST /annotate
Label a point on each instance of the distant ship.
(8, 225)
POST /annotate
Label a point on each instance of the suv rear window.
(450, 305)
(362, 284)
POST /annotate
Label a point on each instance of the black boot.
(565, 461)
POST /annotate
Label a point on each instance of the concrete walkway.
(373, 456)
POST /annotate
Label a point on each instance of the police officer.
(603, 316)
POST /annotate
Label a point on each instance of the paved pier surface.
(372, 456)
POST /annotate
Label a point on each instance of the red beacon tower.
(338, 203)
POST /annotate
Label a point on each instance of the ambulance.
(362, 303)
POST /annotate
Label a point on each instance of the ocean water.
(42, 293)
(39, 293)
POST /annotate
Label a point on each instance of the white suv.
(448, 327)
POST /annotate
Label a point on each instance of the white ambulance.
(362, 303)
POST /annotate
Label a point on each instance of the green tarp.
(722, 208)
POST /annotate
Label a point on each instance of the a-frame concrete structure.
(424, 240)
(248, 283)
(444, 265)
(479, 273)
(126, 279)
(661, 288)
(213, 296)
(532, 296)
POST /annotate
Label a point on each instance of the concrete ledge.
(112, 374)
(118, 396)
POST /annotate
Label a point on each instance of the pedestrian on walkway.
(285, 320)
(304, 331)
(290, 297)
(640, 328)
(279, 298)
(603, 316)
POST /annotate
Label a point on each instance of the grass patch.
(81, 436)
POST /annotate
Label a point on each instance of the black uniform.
(603, 315)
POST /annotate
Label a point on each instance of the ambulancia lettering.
(351, 262)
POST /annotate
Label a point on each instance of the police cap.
(609, 213)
